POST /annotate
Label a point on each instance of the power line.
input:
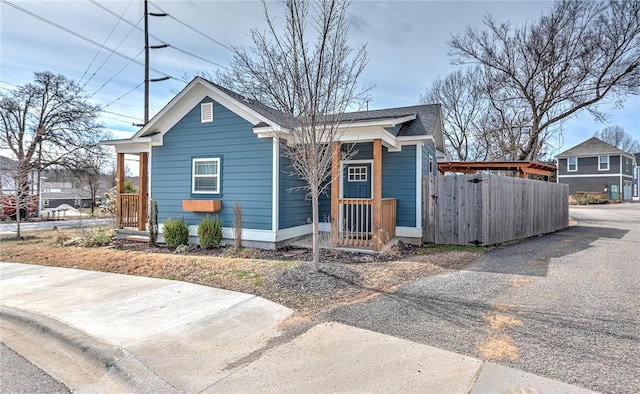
(197, 57)
(193, 29)
(163, 42)
(115, 113)
(100, 50)
(84, 38)
(124, 95)
(111, 54)
(217, 17)
(115, 75)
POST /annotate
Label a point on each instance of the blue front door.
(356, 215)
(357, 181)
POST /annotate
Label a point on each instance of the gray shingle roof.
(591, 147)
(277, 116)
(424, 124)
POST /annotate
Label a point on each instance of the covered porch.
(361, 222)
(132, 208)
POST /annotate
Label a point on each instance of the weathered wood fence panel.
(489, 209)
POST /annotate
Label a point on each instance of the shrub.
(176, 232)
(210, 232)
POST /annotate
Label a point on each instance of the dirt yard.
(284, 276)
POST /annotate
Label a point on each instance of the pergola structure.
(523, 168)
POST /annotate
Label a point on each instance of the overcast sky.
(406, 42)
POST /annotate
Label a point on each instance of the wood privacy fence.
(482, 209)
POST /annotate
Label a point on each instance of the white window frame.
(357, 176)
(431, 169)
(194, 176)
(206, 112)
(599, 163)
(569, 164)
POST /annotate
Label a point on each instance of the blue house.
(210, 148)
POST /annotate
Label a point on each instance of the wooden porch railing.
(127, 212)
(388, 220)
(356, 221)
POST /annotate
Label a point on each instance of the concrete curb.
(82, 362)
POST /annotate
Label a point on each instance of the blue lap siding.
(294, 208)
(246, 168)
(399, 182)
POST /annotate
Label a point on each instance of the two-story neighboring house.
(636, 178)
(595, 166)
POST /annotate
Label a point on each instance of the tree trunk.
(316, 232)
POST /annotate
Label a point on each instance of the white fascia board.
(386, 122)
(132, 147)
(369, 134)
(413, 139)
(275, 131)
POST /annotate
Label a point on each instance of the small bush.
(210, 232)
(101, 238)
(175, 232)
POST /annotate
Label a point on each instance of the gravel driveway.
(564, 305)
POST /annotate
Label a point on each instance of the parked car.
(8, 207)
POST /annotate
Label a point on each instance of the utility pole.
(146, 58)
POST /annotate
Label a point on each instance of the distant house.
(210, 148)
(595, 166)
(636, 178)
(55, 194)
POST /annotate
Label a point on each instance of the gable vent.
(206, 112)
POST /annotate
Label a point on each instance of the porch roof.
(472, 167)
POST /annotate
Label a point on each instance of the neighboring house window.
(206, 112)
(206, 176)
(357, 174)
(430, 164)
(572, 164)
(603, 163)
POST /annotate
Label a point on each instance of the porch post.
(335, 191)
(119, 188)
(377, 194)
(143, 193)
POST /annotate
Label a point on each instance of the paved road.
(11, 228)
(564, 306)
(18, 375)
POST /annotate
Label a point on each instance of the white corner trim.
(275, 184)
(418, 184)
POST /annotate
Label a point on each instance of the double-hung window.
(572, 164)
(603, 163)
(206, 176)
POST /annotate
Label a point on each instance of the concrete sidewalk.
(100, 332)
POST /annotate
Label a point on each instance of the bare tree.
(48, 123)
(90, 171)
(464, 111)
(616, 136)
(581, 54)
(309, 72)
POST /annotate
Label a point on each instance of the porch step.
(137, 238)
